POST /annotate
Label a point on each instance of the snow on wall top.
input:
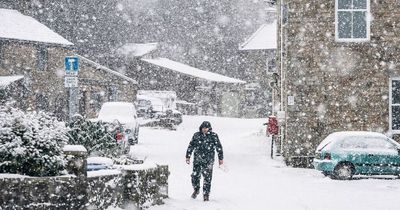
(98, 66)
(263, 39)
(191, 71)
(74, 148)
(136, 50)
(14, 25)
(7, 80)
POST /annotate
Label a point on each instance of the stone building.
(35, 52)
(202, 90)
(99, 84)
(259, 55)
(212, 93)
(338, 63)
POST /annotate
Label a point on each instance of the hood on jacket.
(205, 124)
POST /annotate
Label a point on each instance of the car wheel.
(343, 171)
(325, 173)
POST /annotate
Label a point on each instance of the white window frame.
(368, 16)
(390, 106)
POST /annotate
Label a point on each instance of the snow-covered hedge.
(30, 143)
(93, 136)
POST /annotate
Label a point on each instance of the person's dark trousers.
(205, 169)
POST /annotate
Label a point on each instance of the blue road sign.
(71, 65)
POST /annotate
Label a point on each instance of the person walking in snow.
(203, 145)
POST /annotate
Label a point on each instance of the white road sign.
(71, 82)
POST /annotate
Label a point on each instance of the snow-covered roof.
(263, 39)
(7, 80)
(184, 102)
(14, 25)
(136, 50)
(157, 93)
(191, 71)
(98, 66)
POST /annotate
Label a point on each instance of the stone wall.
(43, 193)
(139, 187)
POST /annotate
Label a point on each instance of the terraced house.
(32, 70)
(338, 63)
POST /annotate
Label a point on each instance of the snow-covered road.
(253, 181)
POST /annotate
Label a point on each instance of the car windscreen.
(365, 143)
(144, 103)
(325, 143)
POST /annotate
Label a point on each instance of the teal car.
(344, 154)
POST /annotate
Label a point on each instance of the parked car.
(344, 154)
(99, 163)
(122, 115)
(160, 106)
(147, 106)
(169, 118)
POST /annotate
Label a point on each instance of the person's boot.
(194, 194)
(206, 198)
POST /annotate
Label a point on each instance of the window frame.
(368, 23)
(271, 65)
(391, 105)
(2, 57)
(42, 56)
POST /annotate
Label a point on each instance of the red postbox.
(272, 125)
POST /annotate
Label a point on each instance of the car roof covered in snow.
(16, 26)
(336, 136)
(121, 111)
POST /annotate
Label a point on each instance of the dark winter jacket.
(204, 145)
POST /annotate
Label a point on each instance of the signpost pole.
(73, 101)
(71, 82)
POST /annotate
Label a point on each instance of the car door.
(384, 155)
(357, 152)
(391, 158)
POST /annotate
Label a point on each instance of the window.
(271, 66)
(112, 93)
(42, 102)
(41, 54)
(1, 54)
(352, 20)
(395, 105)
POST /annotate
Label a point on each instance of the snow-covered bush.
(30, 143)
(93, 136)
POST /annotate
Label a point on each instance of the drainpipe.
(283, 83)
